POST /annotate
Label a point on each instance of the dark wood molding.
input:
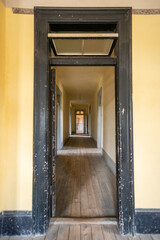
(15, 223)
(134, 11)
(122, 17)
(83, 61)
(147, 221)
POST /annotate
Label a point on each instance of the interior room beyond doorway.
(86, 164)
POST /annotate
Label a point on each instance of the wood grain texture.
(63, 233)
(83, 221)
(83, 232)
(85, 185)
(74, 232)
(52, 232)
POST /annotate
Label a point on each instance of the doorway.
(80, 122)
(44, 178)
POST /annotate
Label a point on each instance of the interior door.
(79, 124)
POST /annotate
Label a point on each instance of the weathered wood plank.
(156, 237)
(97, 233)
(86, 221)
(39, 238)
(108, 232)
(145, 237)
(4, 238)
(86, 232)
(63, 233)
(21, 238)
(74, 233)
(52, 232)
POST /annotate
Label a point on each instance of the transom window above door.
(71, 40)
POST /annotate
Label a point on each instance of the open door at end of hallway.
(80, 119)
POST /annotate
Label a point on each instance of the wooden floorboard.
(63, 232)
(83, 232)
(86, 221)
(85, 186)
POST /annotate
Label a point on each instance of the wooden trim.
(134, 11)
(88, 221)
(122, 17)
(22, 223)
(83, 35)
(82, 61)
(147, 221)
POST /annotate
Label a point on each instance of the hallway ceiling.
(135, 4)
(80, 83)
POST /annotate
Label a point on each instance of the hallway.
(85, 186)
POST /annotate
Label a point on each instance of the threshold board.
(88, 221)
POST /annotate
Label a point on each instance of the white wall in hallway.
(108, 112)
(65, 110)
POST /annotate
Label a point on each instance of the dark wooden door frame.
(42, 100)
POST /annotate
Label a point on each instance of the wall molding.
(15, 223)
(23, 11)
(145, 11)
(147, 221)
(30, 11)
(110, 163)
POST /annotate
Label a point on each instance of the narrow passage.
(85, 186)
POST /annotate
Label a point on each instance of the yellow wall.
(16, 99)
(65, 109)
(3, 128)
(146, 110)
(17, 170)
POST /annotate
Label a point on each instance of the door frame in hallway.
(42, 190)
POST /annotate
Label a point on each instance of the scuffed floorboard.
(83, 232)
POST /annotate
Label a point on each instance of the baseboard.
(15, 223)
(147, 221)
(95, 142)
(65, 141)
(111, 164)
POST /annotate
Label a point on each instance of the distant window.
(79, 112)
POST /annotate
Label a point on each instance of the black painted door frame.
(43, 89)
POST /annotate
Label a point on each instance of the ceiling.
(135, 4)
(80, 83)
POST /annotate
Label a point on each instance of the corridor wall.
(16, 99)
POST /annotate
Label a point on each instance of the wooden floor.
(85, 186)
(83, 232)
